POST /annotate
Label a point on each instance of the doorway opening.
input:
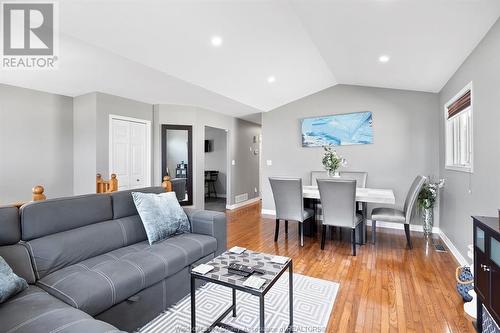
(216, 185)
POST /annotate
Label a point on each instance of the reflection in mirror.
(177, 160)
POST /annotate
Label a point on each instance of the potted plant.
(332, 161)
(426, 200)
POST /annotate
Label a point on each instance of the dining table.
(364, 195)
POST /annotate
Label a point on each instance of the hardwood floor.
(385, 288)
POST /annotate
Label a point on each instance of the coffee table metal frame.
(261, 293)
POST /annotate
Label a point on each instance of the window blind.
(462, 103)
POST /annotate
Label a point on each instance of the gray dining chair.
(338, 197)
(359, 176)
(396, 215)
(289, 202)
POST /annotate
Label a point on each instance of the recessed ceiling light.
(216, 41)
(271, 79)
(384, 58)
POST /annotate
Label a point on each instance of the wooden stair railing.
(102, 186)
(167, 184)
(106, 186)
(36, 195)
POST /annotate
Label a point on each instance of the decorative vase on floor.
(428, 218)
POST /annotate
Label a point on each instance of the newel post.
(113, 183)
(37, 193)
(167, 184)
(99, 183)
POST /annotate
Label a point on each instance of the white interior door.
(138, 148)
(129, 155)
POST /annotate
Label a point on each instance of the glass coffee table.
(221, 276)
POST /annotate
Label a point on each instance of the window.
(458, 129)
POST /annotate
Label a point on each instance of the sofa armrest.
(209, 223)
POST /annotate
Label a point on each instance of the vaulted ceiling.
(162, 52)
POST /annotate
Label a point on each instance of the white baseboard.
(244, 203)
(268, 212)
(413, 227)
(458, 256)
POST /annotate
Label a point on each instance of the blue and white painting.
(338, 130)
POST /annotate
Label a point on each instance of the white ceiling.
(160, 51)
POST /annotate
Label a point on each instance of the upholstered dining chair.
(338, 197)
(360, 177)
(396, 215)
(289, 202)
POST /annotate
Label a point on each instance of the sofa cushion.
(10, 228)
(42, 218)
(10, 283)
(123, 204)
(35, 311)
(388, 215)
(56, 251)
(161, 215)
(97, 284)
(19, 260)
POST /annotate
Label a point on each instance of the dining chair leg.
(286, 226)
(215, 191)
(374, 231)
(277, 230)
(299, 230)
(353, 241)
(301, 233)
(408, 237)
(323, 236)
(332, 232)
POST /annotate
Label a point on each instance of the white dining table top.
(371, 195)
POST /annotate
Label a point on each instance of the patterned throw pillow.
(10, 283)
(161, 215)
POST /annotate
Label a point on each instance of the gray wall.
(482, 67)
(84, 143)
(36, 143)
(405, 128)
(217, 158)
(247, 174)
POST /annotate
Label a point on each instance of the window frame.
(450, 144)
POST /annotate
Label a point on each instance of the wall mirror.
(177, 160)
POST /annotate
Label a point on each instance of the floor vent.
(439, 248)
(241, 198)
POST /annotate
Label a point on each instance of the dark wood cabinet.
(482, 277)
(487, 267)
(495, 277)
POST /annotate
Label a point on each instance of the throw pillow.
(10, 283)
(161, 215)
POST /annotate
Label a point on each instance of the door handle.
(138, 180)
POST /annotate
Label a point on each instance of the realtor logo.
(29, 35)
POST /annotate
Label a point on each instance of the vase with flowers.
(425, 201)
(332, 161)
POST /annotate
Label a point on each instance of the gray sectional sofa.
(90, 266)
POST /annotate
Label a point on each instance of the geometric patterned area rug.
(313, 302)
